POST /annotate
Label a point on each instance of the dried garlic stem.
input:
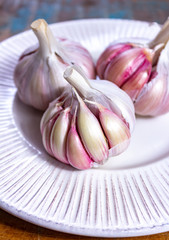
(162, 36)
(47, 41)
(76, 78)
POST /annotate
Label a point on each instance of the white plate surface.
(128, 196)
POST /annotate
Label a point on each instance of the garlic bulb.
(83, 127)
(39, 72)
(141, 71)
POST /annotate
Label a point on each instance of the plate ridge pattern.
(93, 202)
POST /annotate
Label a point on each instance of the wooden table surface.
(12, 228)
(16, 16)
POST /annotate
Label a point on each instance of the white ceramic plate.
(128, 196)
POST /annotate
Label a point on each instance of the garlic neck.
(47, 42)
(78, 80)
(162, 37)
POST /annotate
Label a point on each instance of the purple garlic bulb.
(88, 124)
(141, 71)
(39, 73)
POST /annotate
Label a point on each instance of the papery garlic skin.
(76, 153)
(50, 113)
(47, 129)
(60, 128)
(88, 141)
(114, 128)
(91, 133)
(39, 72)
(154, 94)
(154, 97)
(129, 67)
(119, 98)
(108, 54)
(141, 71)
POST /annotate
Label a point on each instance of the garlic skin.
(129, 67)
(96, 127)
(141, 71)
(76, 153)
(60, 128)
(115, 129)
(38, 75)
(154, 96)
(91, 133)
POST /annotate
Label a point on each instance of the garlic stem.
(78, 80)
(47, 42)
(157, 51)
(43, 33)
(162, 36)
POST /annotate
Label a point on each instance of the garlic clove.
(110, 53)
(121, 69)
(139, 78)
(47, 129)
(49, 113)
(153, 99)
(91, 133)
(76, 154)
(59, 135)
(115, 130)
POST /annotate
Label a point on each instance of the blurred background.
(16, 15)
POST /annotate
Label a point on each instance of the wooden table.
(12, 228)
(16, 16)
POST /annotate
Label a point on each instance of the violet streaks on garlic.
(84, 127)
(141, 71)
(76, 154)
(39, 73)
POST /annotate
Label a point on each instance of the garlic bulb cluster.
(39, 73)
(83, 127)
(141, 71)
